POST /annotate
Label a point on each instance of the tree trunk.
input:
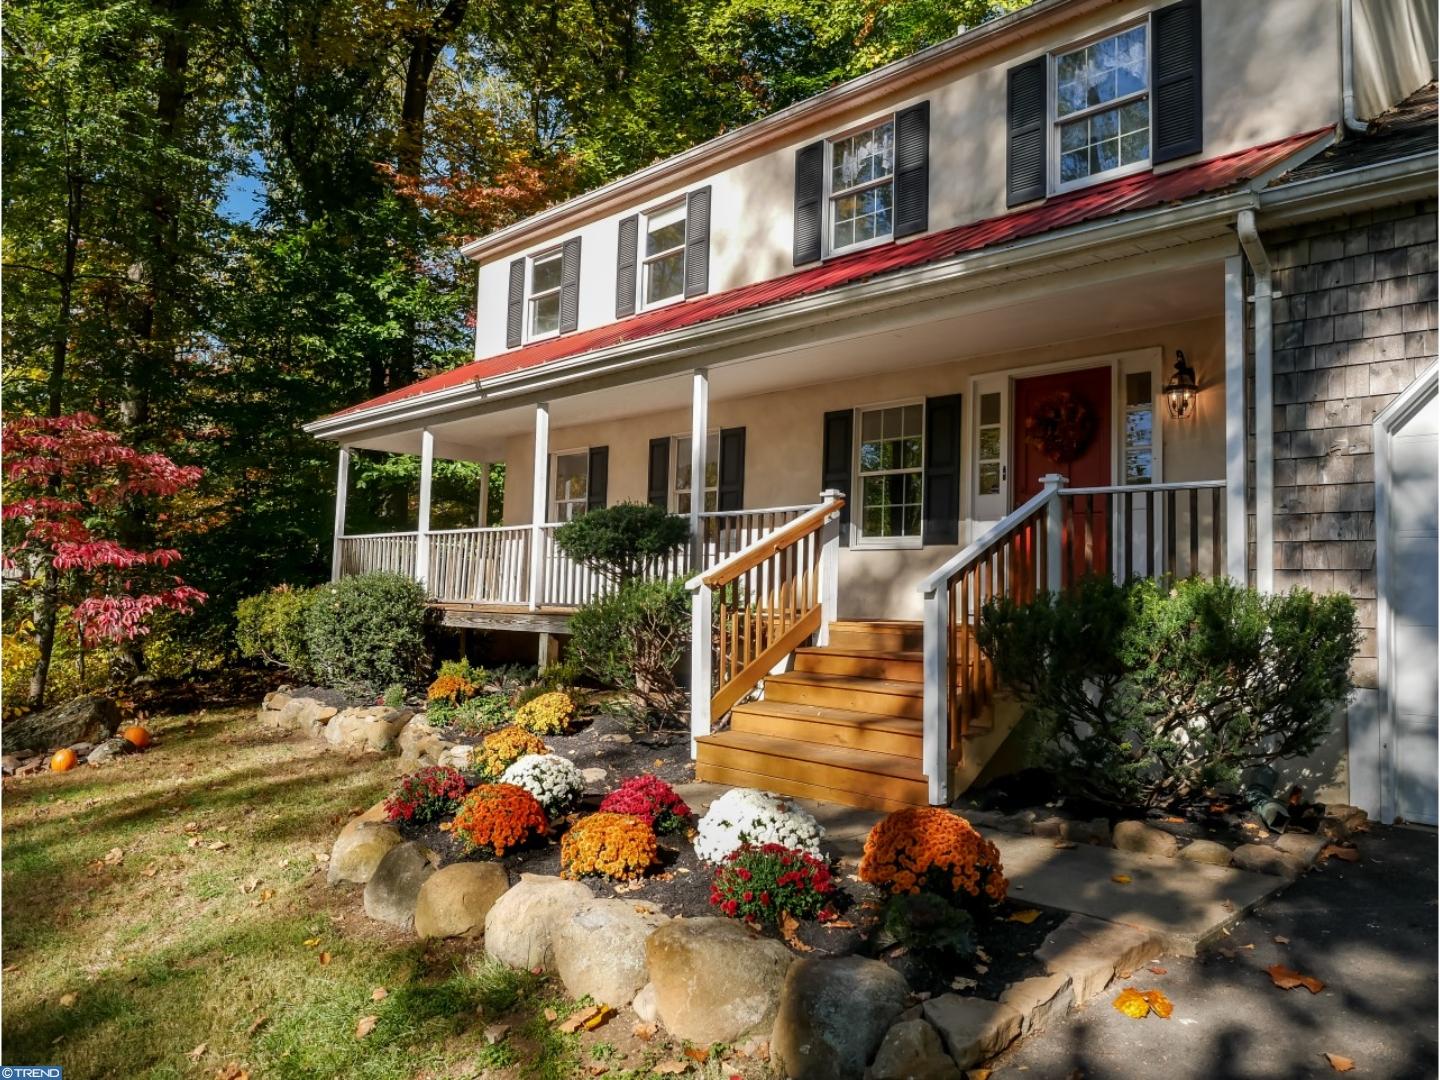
(47, 610)
(61, 348)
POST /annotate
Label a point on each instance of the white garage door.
(1411, 594)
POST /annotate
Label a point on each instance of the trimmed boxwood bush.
(618, 540)
(270, 626)
(367, 631)
(635, 640)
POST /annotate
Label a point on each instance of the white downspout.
(1347, 70)
(1264, 402)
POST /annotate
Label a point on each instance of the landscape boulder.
(600, 949)
(1206, 851)
(1265, 859)
(454, 901)
(972, 1029)
(421, 743)
(1305, 846)
(912, 1051)
(520, 927)
(372, 728)
(715, 981)
(833, 1014)
(90, 718)
(359, 848)
(1039, 1000)
(457, 756)
(1090, 951)
(107, 751)
(394, 889)
(1144, 839)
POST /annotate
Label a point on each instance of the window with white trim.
(1139, 428)
(569, 485)
(544, 302)
(681, 484)
(862, 186)
(662, 276)
(889, 468)
(1101, 110)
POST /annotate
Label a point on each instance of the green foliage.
(1142, 695)
(619, 540)
(929, 925)
(395, 696)
(367, 631)
(462, 669)
(480, 715)
(271, 626)
(635, 640)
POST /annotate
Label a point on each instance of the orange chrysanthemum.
(451, 688)
(932, 849)
(620, 846)
(499, 817)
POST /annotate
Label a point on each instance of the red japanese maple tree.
(67, 481)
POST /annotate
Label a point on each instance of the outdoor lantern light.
(1180, 391)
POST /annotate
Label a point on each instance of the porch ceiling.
(919, 335)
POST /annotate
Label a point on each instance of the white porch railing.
(1056, 538)
(393, 552)
(481, 565)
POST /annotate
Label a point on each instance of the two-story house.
(1101, 285)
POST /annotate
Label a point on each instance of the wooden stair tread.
(877, 624)
(800, 789)
(898, 687)
(826, 714)
(869, 761)
(863, 654)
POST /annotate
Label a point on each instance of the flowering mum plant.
(428, 795)
(548, 714)
(552, 779)
(499, 817)
(746, 816)
(501, 749)
(619, 846)
(451, 688)
(930, 849)
(760, 883)
(653, 800)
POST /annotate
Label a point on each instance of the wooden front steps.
(843, 726)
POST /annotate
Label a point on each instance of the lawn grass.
(195, 954)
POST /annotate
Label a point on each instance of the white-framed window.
(889, 470)
(662, 273)
(544, 293)
(1138, 398)
(1100, 108)
(569, 484)
(680, 485)
(860, 180)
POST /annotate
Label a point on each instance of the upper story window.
(664, 274)
(546, 278)
(862, 186)
(891, 480)
(1101, 112)
(570, 485)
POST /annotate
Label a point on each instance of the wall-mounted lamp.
(1180, 391)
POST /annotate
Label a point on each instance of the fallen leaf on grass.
(198, 1052)
(68, 1000)
(1028, 916)
(1340, 1064)
(551, 1015)
(365, 1026)
(672, 1067)
(1287, 979)
(495, 1032)
(1334, 851)
(324, 959)
(789, 927)
(266, 895)
(644, 1032)
(257, 1024)
(589, 1018)
(233, 1071)
(310, 943)
(114, 857)
(379, 994)
(696, 1053)
(1121, 879)
(192, 826)
(151, 870)
(219, 845)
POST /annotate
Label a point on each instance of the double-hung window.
(569, 485)
(890, 473)
(663, 277)
(1101, 116)
(682, 473)
(545, 281)
(862, 187)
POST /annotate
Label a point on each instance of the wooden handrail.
(725, 572)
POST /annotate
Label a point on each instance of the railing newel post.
(701, 616)
(829, 569)
(934, 744)
(1054, 531)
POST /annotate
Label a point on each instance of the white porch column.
(342, 493)
(483, 517)
(1235, 498)
(538, 501)
(699, 437)
(422, 528)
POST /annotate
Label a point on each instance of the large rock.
(108, 750)
(1038, 1000)
(307, 710)
(972, 1029)
(421, 743)
(1264, 859)
(714, 980)
(912, 1051)
(1145, 839)
(1206, 851)
(454, 901)
(1305, 846)
(394, 889)
(91, 718)
(457, 756)
(1090, 951)
(359, 848)
(600, 949)
(372, 728)
(645, 1005)
(833, 1014)
(519, 929)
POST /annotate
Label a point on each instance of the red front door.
(1062, 425)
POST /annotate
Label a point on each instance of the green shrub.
(488, 712)
(395, 695)
(618, 540)
(270, 626)
(635, 640)
(367, 631)
(1142, 695)
(929, 925)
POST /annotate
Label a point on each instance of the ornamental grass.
(650, 799)
(499, 817)
(617, 846)
(930, 849)
(548, 714)
(501, 749)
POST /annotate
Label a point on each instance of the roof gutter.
(1347, 70)
(1259, 259)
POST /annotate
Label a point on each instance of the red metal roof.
(1129, 193)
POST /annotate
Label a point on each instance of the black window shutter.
(1025, 157)
(1177, 118)
(658, 488)
(597, 486)
(835, 462)
(731, 495)
(626, 265)
(809, 202)
(912, 170)
(697, 242)
(515, 308)
(940, 516)
(570, 285)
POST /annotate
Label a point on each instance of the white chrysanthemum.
(554, 781)
(746, 816)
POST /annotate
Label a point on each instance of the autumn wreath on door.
(1061, 426)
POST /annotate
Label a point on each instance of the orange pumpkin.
(64, 760)
(136, 736)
